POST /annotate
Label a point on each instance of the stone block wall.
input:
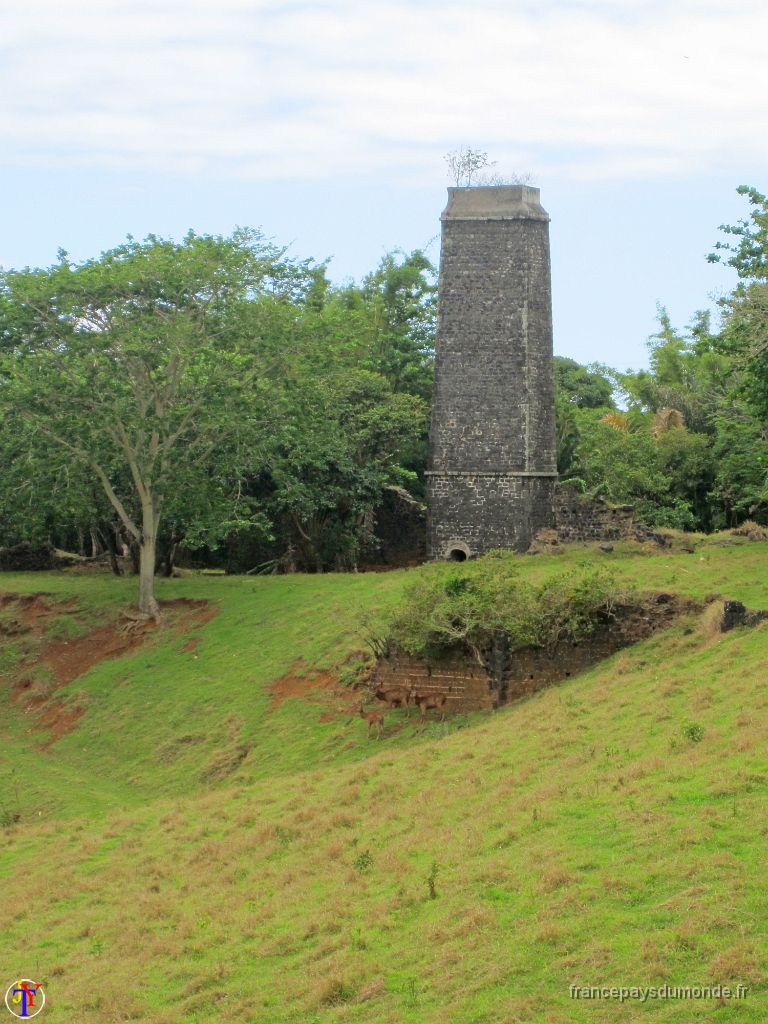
(482, 512)
(581, 519)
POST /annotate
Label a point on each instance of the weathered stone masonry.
(580, 519)
(492, 445)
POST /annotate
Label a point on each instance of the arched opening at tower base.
(455, 550)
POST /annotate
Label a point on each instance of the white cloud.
(600, 88)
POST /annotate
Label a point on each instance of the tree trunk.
(110, 539)
(135, 552)
(173, 547)
(95, 546)
(147, 603)
(164, 557)
(80, 541)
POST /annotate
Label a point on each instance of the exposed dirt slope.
(56, 642)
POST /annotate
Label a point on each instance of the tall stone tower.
(493, 461)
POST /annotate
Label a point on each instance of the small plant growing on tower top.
(465, 163)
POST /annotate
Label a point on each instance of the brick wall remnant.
(465, 684)
(505, 675)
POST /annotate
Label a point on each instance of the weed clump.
(693, 731)
(336, 992)
(451, 607)
(363, 861)
(432, 879)
(357, 669)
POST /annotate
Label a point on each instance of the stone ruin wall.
(400, 525)
(465, 684)
(583, 519)
(510, 675)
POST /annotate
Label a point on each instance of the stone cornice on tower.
(494, 202)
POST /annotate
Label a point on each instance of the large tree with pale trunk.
(145, 365)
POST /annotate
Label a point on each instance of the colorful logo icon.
(25, 998)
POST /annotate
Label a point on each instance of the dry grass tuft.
(547, 932)
(613, 884)
(687, 936)
(746, 740)
(738, 963)
(335, 992)
(710, 621)
(223, 763)
(371, 990)
(475, 919)
(553, 879)
(703, 699)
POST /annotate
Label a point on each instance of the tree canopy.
(689, 449)
(212, 387)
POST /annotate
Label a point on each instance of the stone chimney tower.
(493, 463)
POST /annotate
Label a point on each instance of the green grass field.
(195, 850)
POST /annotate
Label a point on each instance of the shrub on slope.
(449, 606)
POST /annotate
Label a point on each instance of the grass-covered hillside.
(205, 832)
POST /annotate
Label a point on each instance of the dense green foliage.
(212, 391)
(705, 468)
(578, 385)
(448, 607)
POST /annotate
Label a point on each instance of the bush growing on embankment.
(450, 606)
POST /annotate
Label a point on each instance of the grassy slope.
(578, 837)
(123, 753)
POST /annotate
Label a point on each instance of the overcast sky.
(325, 123)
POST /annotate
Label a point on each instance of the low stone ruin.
(578, 518)
(501, 675)
(735, 614)
(398, 532)
(28, 557)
